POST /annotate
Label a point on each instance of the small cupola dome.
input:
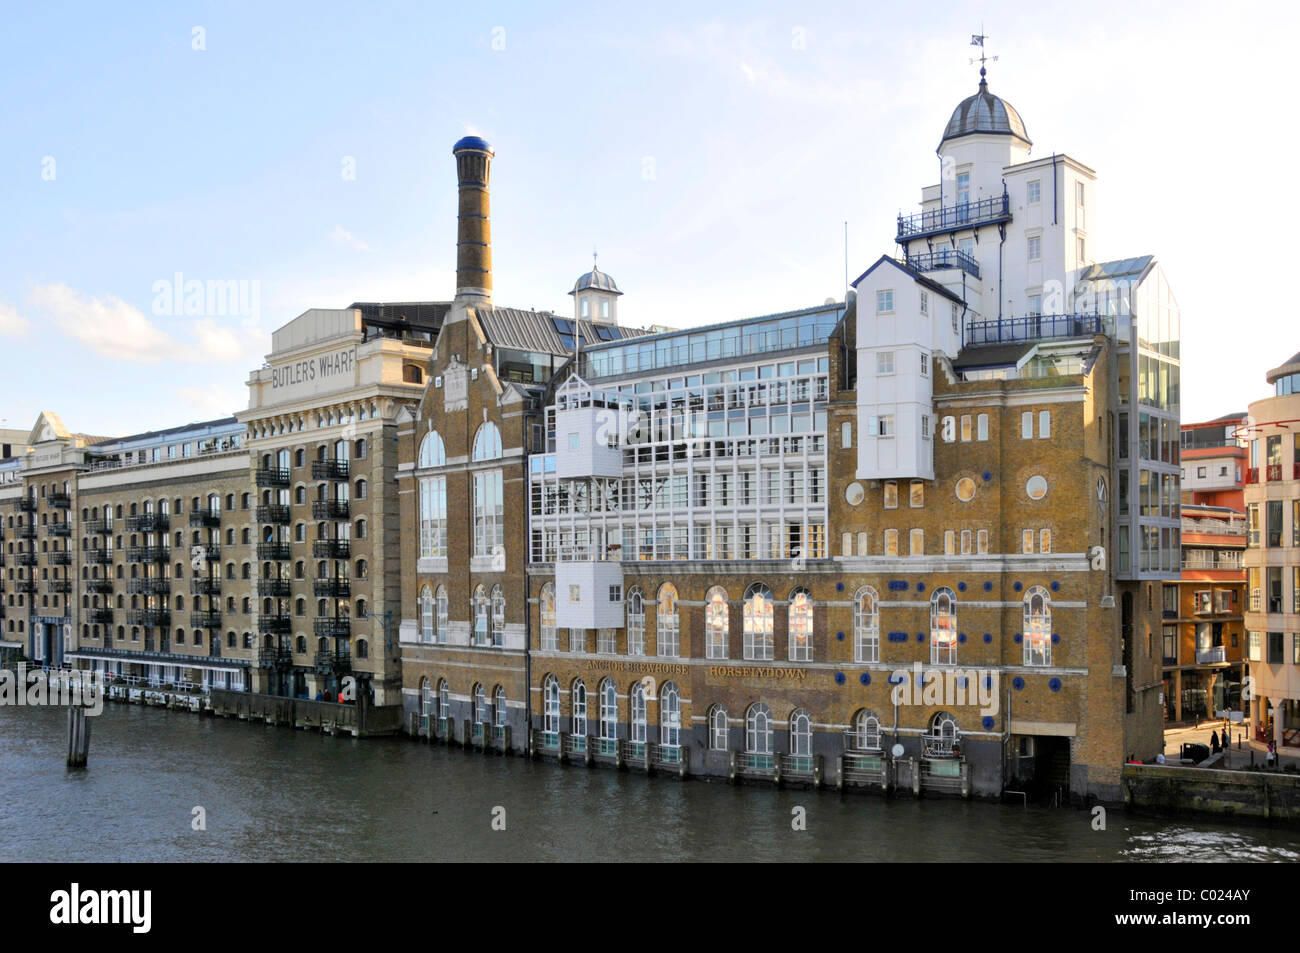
(985, 114)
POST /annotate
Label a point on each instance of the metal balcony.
(279, 657)
(148, 523)
(274, 624)
(330, 510)
(26, 585)
(25, 504)
(149, 617)
(274, 551)
(274, 588)
(1212, 656)
(331, 548)
(61, 530)
(332, 588)
(147, 554)
(329, 469)
(277, 514)
(98, 527)
(337, 628)
(333, 662)
(60, 500)
(59, 557)
(98, 585)
(25, 531)
(1034, 328)
(205, 620)
(944, 259)
(205, 585)
(101, 616)
(205, 519)
(25, 559)
(59, 585)
(100, 556)
(954, 218)
(271, 477)
(211, 551)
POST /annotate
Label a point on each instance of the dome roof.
(985, 113)
(471, 143)
(595, 280)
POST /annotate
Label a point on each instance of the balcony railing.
(275, 551)
(25, 559)
(100, 556)
(25, 504)
(1214, 527)
(59, 557)
(205, 620)
(97, 527)
(1212, 656)
(26, 585)
(148, 523)
(332, 588)
(940, 746)
(274, 588)
(1273, 472)
(326, 662)
(335, 628)
(211, 551)
(1034, 328)
(62, 530)
(330, 510)
(276, 514)
(100, 616)
(59, 585)
(147, 554)
(149, 617)
(331, 548)
(274, 624)
(205, 585)
(98, 585)
(943, 259)
(271, 477)
(329, 469)
(60, 500)
(954, 218)
(25, 531)
(205, 519)
(1220, 562)
(159, 586)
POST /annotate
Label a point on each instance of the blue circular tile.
(1019, 638)
(865, 678)
(988, 587)
(1056, 586)
(1017, 585)
(839, 587)
(839, 636)
(1017, 683)
(920, 636)
(988, 681)
(961, 636)
(1055, 638)
(961, 587)
(839, 678)
(988, 637)
(920, 587)
(1054, 684)
(987, 723)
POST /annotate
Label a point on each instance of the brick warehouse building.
(707, 551)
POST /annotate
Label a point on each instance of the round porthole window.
(1036, 487)
(965, 489)
(853, 493)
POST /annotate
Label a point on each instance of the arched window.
(550, 704)
(866, 731)
(866, 625)
(942, 740)
(718, 728)
(1037, 637)
(433, 517)
(363, 649)
(440, 613)
(799, 613)
(670, 715)
(487, 442)
(432, 451)
(428, 702)
(427, 631)
(608, 710)
(635, 623)
(636, 723)
(801, 734)
(499, 707)
(666, 632)
(444, 698)
(480, 705)
(758, 622)
(480, 616)
(549, 641)
(758, 729)
(715, 623)
(497, 620)
(578, 693)
(943, 627)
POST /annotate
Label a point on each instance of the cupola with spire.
(595, 296)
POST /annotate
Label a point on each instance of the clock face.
(853, 493)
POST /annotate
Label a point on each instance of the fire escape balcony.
(26, 585)
(331, 548)
(211, 551)
(98, 527)
(100, 556)
(943, 259)
(205, 585)
(954, 218)
(25, 504)
(205, 619)
(274, 623)
(273, 551)
(333, 662)
(25, 559)
(332, 588)
(147, 554)
(279, 657)
(329, 469)
(149, 617)
(271, 477)
(205, 519)
(151, 586)
(330, 510)
(59, 557)
(277, 514)
(334, 627)
(60, 500)
(274, 588)
(98, 585)
(148, 523)
(100, 616)
(59, 585)
(61, 530)
(25, 531)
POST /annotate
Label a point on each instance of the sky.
(300, 154)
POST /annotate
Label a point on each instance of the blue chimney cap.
(471, 143)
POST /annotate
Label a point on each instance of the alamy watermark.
(946, 688)
(82, 689)
(213, 298)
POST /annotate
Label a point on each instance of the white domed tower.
(983, 137)
(595, 296)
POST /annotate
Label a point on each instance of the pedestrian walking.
(1272, 754)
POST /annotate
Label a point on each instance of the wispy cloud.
(12, 323)
(343, 237)
(218, 343)
(105, 324)
(215, 400)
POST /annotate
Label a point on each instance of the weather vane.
(977, 39)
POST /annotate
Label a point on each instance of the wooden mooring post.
(78, 736)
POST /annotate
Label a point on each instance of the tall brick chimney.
(473, 227)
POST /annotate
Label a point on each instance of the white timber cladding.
(725, 463)
(588, 594)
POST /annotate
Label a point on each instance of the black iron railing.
(1034, 328)
(943, 259)
(952, 218)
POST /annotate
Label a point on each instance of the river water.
(275, 794)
